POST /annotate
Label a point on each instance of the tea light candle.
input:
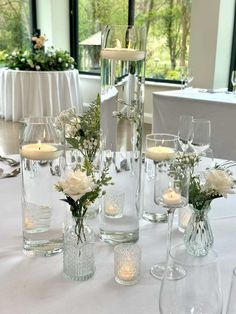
(112, 210)
(160, 153)
(28, 223)
(127, 271)
(40, 151)
(127, 263)
(114, 203)
(122, 54)
(171, 197)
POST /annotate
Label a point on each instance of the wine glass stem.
(170, 213)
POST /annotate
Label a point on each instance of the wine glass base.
(173, 272)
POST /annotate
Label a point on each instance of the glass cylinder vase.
(78, 250)
(122, 101)
(198, 236)
(42, 164)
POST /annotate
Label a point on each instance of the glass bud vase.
(42, 165)
(198, 237)
(122, 101)
(78, 252)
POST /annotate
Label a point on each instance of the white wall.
(210, 42)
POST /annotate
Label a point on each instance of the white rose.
(59, 60)
(37, 67)
(77, 184)
(218, 180)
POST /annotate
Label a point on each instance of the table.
(26, 94)
(218, 107)
(35, 285)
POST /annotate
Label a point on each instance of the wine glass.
(233, 80)
(185, 132)
(183, 76)
(231, 307)
(189, 78)
(201, 135)
(199, 292)
(170, 188)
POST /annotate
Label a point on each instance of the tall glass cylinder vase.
(42, 165)
(122, 101)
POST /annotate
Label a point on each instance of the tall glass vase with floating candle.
(122, 101)
(170, 185)
(42, 164)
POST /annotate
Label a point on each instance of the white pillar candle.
(171, 197)
(40, 151)
(125, 54)
(160, 153)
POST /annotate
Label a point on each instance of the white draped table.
(36, 285)
(218, 107)
(26, 94)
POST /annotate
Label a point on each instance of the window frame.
(233, 54)
(74, 38)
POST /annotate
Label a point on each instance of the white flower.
(22, 60)
(59, 60)
(66, 65)
(219, 181)
(37, 67)
(76, 184)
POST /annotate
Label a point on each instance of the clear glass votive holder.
(114, 203)
(127, 263)
(231, 306)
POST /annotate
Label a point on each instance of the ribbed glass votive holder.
(127, 263)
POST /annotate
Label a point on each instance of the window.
(15, 27)
(168, 27)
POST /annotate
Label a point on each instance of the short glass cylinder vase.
(42, 164)
(78, 252)
(198, 236)
(122, 101)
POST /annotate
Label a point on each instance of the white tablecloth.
(36, 285)
(35, 94)
(219, 107)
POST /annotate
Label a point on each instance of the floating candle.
(160, 153)
(122, 54)
(171, 197)
(40, 151)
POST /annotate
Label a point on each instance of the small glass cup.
(127, 263)
(231, 307)
(114, 203)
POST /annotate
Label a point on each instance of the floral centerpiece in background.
(204, 187)
(39, 60)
